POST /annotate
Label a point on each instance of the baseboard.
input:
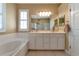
(46, 49)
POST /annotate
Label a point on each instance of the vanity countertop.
(46, 32)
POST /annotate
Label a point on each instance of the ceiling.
(58, 4)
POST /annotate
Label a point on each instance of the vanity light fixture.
(44, 13)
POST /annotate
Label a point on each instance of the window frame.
(3, 18)
(19, 29)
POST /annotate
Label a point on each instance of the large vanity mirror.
(56, 22)
(40, 24)
(61, 23)
(41, 20)
(62, 20)
(46, 23)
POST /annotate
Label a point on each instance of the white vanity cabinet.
(61, 42)
(47, 41)
(32, 40)
(53, 41)
(39, 41)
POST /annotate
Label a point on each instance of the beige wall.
(12, 13)
(35, 8)
(10, 18)
(64, 9)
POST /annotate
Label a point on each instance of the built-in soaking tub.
(14, 48)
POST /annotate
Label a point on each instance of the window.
(2, 17)
(23, 20)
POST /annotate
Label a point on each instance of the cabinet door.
(53, 41)
(39, 41)
(46, 41)
(32, 41)
(61, 42)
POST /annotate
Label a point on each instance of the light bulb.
(49, 13)
(40, 13)
(46, 13)
(43, 13)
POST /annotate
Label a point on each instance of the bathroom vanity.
(46, 34)
(46, 40)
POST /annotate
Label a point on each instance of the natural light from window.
(23, 19)
(2, 17)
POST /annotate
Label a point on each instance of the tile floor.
(46, 53)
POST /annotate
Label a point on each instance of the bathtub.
(13, 46)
